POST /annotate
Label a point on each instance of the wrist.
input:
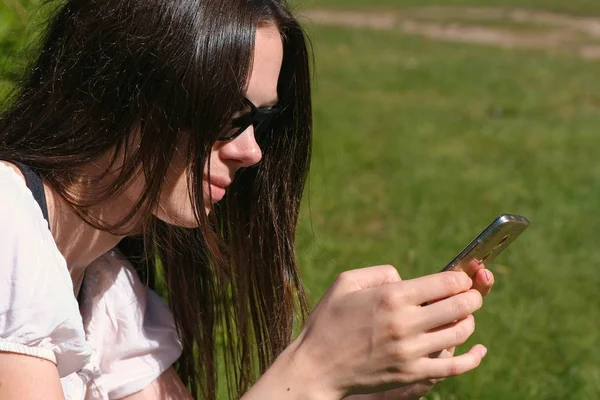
(309, 378)
(293, 376)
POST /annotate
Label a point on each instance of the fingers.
(447, 311)
(446, 337)
(483, 281)
(434, 287)
(446, 353)
(365, 278)
(473, 267)
(445, 367)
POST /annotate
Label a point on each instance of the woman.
(176, 134)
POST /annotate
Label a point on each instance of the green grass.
(419, 144)
(14, 37)
(576, 7)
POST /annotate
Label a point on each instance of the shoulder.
(38, 310)
(12, 183)
(6, 166)
(11, 177)
(17, 202)
(26, 243)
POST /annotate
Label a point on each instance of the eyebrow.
(268, 104)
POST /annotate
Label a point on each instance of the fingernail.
(488, 276)
(483, 351)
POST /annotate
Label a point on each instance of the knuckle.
(401, 353)
(463, 306)
(453, 282)
(344, 280)
(399, 374)
(464, 331)
(468, 303)
(391, 271)
(471, 325)
(456, 367)
(406, 378)
(398, 330)
(477, 299)
(389, 300)
(453, 369)
(343, 276)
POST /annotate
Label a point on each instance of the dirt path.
(510, 28)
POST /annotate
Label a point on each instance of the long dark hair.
(175, 71)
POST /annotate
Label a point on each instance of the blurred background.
(431, 118)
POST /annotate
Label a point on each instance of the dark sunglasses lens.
(235, 127)
(261, 127)
(261, 119)
(264, 121)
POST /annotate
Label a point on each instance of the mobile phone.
(489, 243)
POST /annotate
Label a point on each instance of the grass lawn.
(576, 7)
(419, 145)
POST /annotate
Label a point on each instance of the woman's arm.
(287, 378)
(27, 378)
(292, 377)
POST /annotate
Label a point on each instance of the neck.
(79, 242)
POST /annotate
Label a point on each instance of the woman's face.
(226, 158)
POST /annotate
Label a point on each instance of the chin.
(182, 220)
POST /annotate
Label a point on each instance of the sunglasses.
(260, 118)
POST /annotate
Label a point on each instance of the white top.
(118, 341)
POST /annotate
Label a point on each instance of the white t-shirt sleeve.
(131, 330)
(39, 315)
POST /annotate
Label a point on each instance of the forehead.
(267, 59)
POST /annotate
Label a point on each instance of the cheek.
(214, 161)
(175, 205)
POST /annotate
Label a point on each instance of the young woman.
(177, 134)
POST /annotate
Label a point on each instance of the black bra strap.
(35, 184)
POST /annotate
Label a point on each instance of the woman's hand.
(482, 280)
(370, 331)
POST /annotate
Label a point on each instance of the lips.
(217, 186)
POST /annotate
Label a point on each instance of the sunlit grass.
(419, 145)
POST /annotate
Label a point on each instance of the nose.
(243, 150)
